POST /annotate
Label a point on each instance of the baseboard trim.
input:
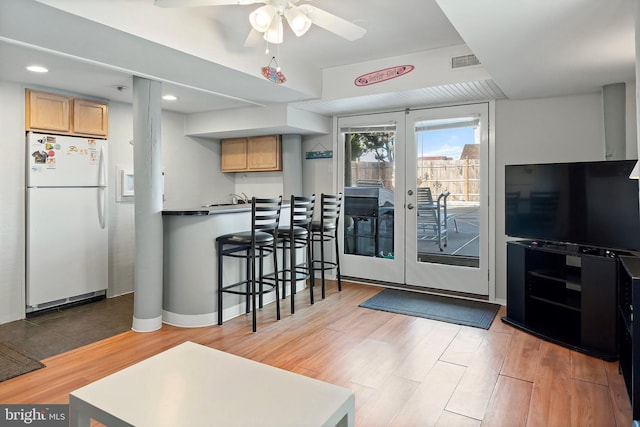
(146, 325)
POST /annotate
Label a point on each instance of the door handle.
(410, 206)
(102, 206)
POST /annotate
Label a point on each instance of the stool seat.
(244, 237)
(316, 226)
(298, 232)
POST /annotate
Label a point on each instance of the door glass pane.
(448, 191)
(369, 185)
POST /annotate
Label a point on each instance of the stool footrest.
(229, 288)
(285, 275)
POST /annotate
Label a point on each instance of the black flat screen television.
(591, 204)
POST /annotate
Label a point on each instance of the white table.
(194, 385)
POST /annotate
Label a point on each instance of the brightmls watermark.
(34, 415)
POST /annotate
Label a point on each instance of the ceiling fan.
(267, 19)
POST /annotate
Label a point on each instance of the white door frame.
(365, 267)
(338, 185)
(444, 276)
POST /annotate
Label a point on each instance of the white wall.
(192, 176)
(121, 222)
(631, 131)
(291, 166)
(432, 69)
(12, 192)
(259, 184)
(318, 174)
(562, 129)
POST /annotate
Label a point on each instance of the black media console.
(565, 294)
(628, 297)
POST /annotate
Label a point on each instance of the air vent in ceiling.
(464, 61)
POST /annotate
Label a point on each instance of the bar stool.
(326, 230)
(256, 244)
(293, 237)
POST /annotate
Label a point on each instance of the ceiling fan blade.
(195, 3)
(253, 39)
(333, 23)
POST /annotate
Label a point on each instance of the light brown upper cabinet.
(234, 155)
(253, 154)
(90, 118)
(47, 111)
(65, 115)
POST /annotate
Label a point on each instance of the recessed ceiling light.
(170, 97)
(37, 69)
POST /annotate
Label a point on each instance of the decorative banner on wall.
(383, 75)
(318, 154)
(315, 153)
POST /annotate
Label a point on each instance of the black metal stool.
(293, 237)
(258, 243)
(326, 230)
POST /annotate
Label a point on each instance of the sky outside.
(435, 143)
(445, 142)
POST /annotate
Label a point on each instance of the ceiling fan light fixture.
(275, 30)
(298, 21)
(262, 18)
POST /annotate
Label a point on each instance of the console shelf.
(564, 296)
(570, 275)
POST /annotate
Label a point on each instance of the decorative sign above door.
(383, 75)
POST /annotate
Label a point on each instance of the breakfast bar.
(190, 263)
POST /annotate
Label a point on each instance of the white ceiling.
(531, 48)
(539, 48)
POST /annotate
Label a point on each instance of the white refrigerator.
(67, 234)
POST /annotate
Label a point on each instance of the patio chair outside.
(432, 215)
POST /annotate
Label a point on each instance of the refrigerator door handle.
(102, 169)
(102, 193)
(102, 206)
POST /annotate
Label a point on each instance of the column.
(147, 160)
(291, 166)
(614, 108)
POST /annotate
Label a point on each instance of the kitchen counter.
(215, 209)
(190, 263)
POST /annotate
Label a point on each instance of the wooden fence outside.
(460, 177)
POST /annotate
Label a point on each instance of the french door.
(371, 150)
(415, 190)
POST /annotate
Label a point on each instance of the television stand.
(563, 295)
(629, 329)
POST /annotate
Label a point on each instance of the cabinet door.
(264, 153)
(90, 118)
(47, 111)
(234, 155)
(516, 286)
(599, 279)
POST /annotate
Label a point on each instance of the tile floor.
(53, 332)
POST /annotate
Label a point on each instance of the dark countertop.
(208, 210)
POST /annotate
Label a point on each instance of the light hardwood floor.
(405, 371)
